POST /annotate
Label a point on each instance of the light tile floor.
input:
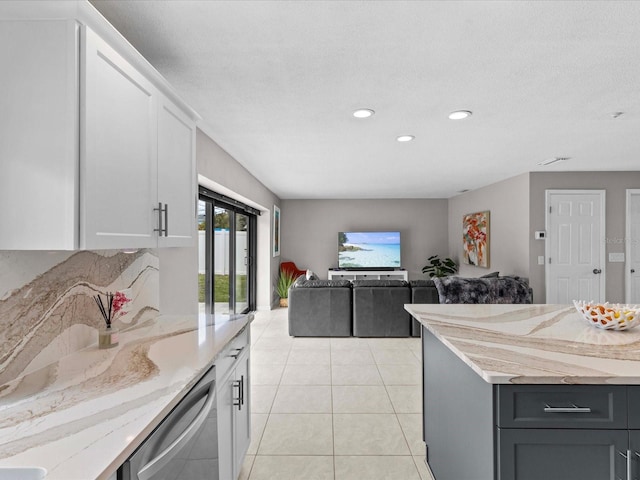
(333, 408)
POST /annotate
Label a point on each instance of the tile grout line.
(404, 435)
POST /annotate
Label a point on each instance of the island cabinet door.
(634, 407)
(536, 454)
(634, 454)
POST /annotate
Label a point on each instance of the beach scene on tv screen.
(369, 249)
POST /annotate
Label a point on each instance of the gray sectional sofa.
(375, 308)
(320, 308)
(378, 308)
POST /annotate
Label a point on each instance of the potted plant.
(285, 280)
(439, 268)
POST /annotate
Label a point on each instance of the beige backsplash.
(47, 309)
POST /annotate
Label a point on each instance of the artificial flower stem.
(101, 306)
(110, 300)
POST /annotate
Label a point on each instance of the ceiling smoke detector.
(549, 161)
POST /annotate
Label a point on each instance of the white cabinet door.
(118, 150)
(242, 414)
(226, 394)
(176, 175)
(38, 135)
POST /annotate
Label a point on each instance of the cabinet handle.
(159, 210)
(238, 352)
(237, 383)
(572, 409)
(166, 219)
(627, 456)
(241, 391)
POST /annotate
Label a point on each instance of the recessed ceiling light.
(459, 114)
(363, 113)
(405, 138)
(551, 160)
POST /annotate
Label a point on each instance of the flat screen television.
(369, 250)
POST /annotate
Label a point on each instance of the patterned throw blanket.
(483, 290)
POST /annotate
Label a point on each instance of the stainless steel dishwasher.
(185, 445)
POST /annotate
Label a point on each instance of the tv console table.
(368, 275)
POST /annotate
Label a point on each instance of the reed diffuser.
(111, 310)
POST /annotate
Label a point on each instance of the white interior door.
(575, 254)
(632, 247)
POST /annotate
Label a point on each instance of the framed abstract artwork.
(276, 231)
(475, 239)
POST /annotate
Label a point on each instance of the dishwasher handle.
(164, 457)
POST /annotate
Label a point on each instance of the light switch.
(541, 260)
(616, 257)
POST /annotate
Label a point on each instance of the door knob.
(597, 271)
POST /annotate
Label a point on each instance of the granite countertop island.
(527, 392)
(533, 344)
(82, 416)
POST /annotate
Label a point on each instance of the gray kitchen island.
(528, 392)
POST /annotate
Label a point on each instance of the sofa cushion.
(298, 281)
(379, 283)
(304, 283)
(422, 283)
(483, 290)
(491, 275)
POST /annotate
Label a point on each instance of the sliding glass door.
(226, 255)
(242, 262)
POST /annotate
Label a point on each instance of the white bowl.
(609, 316)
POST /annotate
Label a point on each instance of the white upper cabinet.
(118, 149)
(95, 150)
(176, 175)
(39, 135)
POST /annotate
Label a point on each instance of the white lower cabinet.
(234, 407)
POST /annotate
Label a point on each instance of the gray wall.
(615, 184)
(508, 203)
(179, 266)
(310, 229)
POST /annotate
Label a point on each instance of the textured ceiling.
(276, 83)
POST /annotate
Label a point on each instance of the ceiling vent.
(549, 161)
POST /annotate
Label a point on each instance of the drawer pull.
(238, 352)
(572, 409)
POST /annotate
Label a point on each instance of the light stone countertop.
(81, 417)
(533, 344)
